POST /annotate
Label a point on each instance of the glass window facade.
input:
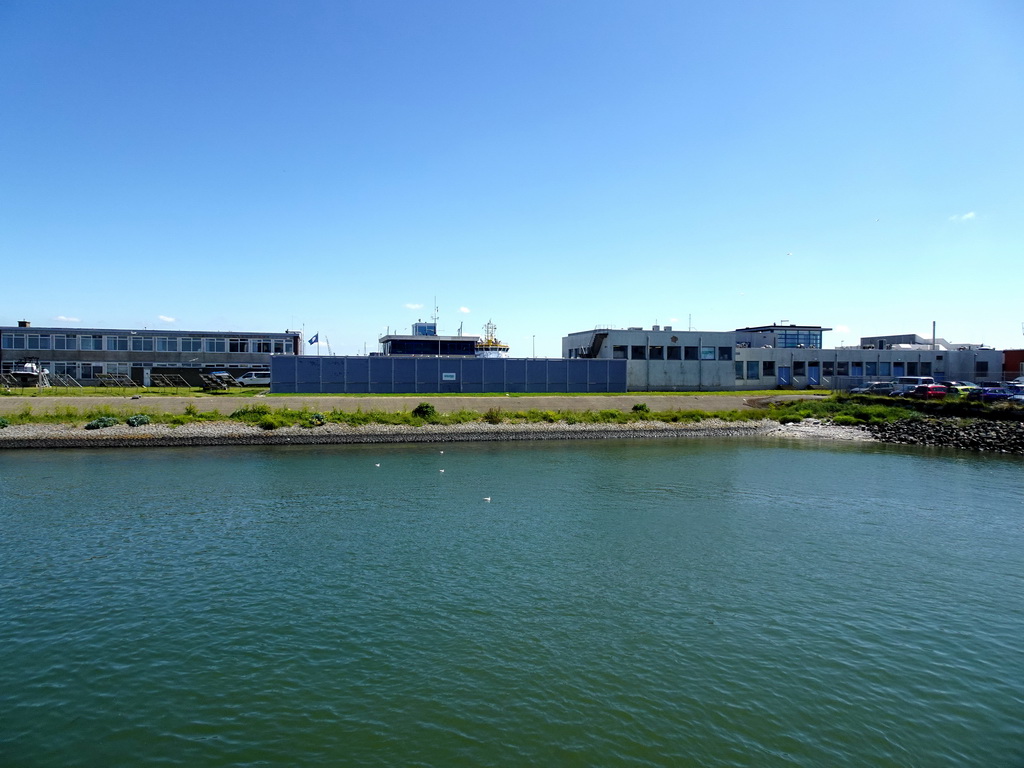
(795, 339)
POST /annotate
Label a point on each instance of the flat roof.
(774, 327)
(139, 331)
(412, 337)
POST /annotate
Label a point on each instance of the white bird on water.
(487, 498)
(440, 470)
(376, 465)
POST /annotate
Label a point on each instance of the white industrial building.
(663, 359)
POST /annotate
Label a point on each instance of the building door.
(813, 374)
(785, 377)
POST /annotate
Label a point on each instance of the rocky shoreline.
(975, 435)
(233, 433)
(978, 435)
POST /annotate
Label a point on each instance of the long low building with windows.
(85, 354)
(663, 359)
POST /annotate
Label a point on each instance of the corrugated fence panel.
(382, 375)
(536, 376)
(494, 374)
(473, 375)
(307, 374)
(577, 376)
(427, 374)
(357, 375)
(404, 373)
(332, 375)
(515, 375)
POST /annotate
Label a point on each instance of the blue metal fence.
(434, 375)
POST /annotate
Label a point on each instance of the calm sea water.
(615, 603)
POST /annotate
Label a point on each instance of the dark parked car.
(874, 388)
(903, 390)
(989, 394)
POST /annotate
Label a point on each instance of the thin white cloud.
(414, 306)
(64, 319)
(962, 216)
(165, 318)
(464, 310)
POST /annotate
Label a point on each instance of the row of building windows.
(757, 369)
(137, 343)
(643, 352)
(793, 339)
(78, 370)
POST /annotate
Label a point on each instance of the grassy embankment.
(841, 409)
(146, 392)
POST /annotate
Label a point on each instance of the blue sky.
(345, 167)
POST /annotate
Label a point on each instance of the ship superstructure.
(489, 346)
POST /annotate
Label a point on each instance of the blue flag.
(314, 338)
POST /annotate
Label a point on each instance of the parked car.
(914, 380)
(961, 388)
(255, 379)
(928, 392)
(989, 394)
(1017, 399)
(874, 388)
(902, 390)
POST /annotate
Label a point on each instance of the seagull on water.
(376, 465)
(440, 470)
(487, 498)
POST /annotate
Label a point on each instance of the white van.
(915, 381)
(255, 379)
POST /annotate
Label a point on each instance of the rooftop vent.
(24, 324)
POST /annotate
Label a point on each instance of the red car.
(928, 392)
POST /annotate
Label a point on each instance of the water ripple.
(626, 604)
